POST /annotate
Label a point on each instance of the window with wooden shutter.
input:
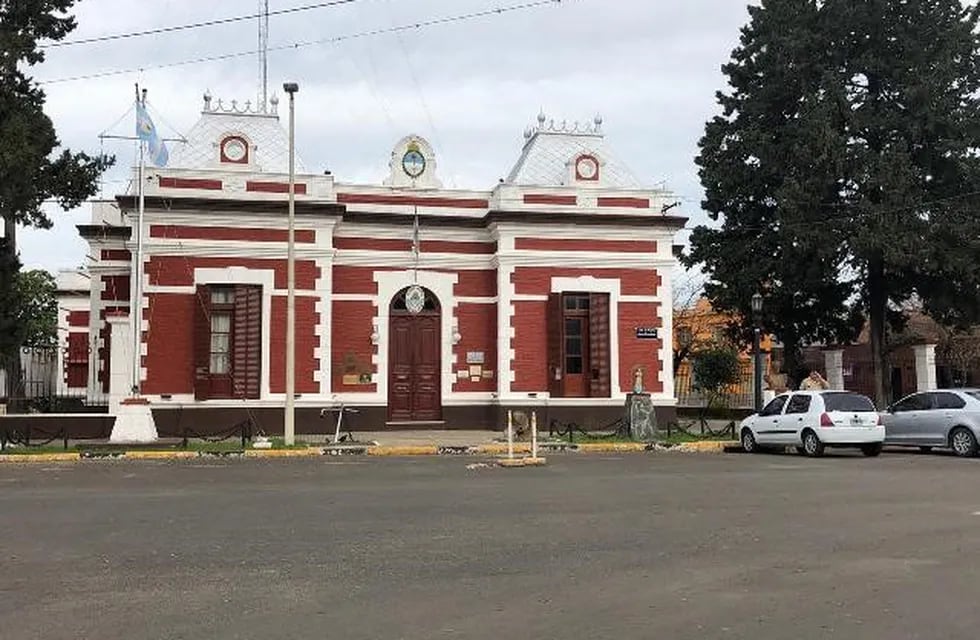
(76, 360)
(579, 345)
(228, 342)
(599, 384)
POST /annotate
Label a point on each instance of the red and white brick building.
(549, 289)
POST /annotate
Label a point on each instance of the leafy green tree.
(34, 168)
(843, 167)
(716, 367)
(37, 307)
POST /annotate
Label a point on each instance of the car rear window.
(847, 402)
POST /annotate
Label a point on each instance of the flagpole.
(138, 269)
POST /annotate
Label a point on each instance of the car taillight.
(881, 421)
(825, 420)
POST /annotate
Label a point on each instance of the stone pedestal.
(134, 422)
(641, 417)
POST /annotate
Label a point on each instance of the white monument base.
(134, 422)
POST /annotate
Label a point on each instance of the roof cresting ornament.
(212, 106)
(546, 125)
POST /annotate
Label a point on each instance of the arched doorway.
(414, 358)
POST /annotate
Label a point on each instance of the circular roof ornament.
(415, 299)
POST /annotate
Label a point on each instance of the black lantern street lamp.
(756, 348)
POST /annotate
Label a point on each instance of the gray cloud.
(650, 68)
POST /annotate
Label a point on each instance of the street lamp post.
(289, 419)
(757, 348)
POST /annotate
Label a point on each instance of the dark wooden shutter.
(202, 343)
(599, 381)
(556, 364)
(105, 354)
(246, 357)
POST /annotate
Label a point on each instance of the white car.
(813, 420)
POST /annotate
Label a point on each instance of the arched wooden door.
(414, 361)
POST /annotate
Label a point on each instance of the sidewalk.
(386, 444)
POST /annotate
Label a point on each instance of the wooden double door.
(414, 363)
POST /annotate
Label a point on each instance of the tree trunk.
(10, 331)
(877, 310)
(792, 361)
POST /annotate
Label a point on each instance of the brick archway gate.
(414, 360)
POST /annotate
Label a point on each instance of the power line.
(192, 25)
(297, 45)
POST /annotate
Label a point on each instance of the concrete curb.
(159, 455)
(712, 446)
(494, 449)
(404, 450)
(613, 447)
(40, 457)
(284, 453)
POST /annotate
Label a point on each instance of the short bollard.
(534, 460)
(510, 460)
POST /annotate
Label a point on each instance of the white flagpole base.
(134, 422)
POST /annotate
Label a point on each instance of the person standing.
(814, 382)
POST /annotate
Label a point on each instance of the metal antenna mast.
(263, 52)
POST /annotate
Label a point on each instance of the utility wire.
(192, 25)
(297, 45)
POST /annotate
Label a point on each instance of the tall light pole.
(289, 420)
(757, 348)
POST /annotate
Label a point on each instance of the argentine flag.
(146, 132)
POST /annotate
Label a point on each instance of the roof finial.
(598, 123)
(207, 100)
(541, 118)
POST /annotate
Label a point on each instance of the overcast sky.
(649, 67)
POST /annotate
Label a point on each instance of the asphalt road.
(636, 546)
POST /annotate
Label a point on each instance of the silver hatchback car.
(940, 418)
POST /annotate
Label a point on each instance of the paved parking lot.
(635, 546)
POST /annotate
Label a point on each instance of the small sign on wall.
(475, 357)
(647, 333)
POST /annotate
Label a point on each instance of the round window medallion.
(234, 150)
(587, 167)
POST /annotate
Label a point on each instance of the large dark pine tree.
(766, 177)
(872, 150)
(33, 167)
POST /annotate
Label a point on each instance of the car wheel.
(811, 444)
(749, 444)
(871, 450)
(925, 449)
(963, 442)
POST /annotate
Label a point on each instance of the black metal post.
(757, 354)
